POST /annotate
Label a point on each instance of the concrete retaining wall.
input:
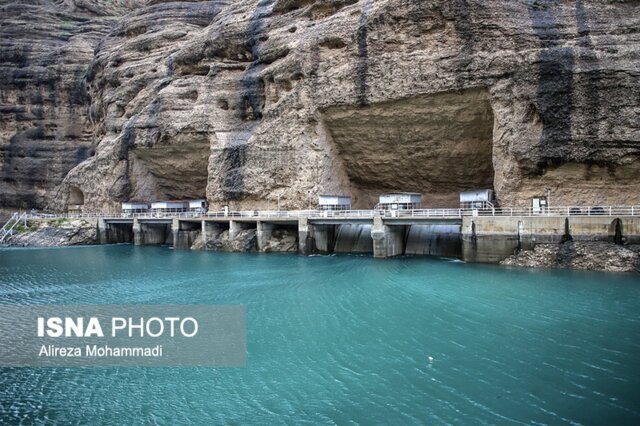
(492, 239)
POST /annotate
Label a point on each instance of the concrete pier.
(138, 238)
(175, 233)
(388, 240)
(102, 231)
(263, 234)
(378, 236)
(305, 244)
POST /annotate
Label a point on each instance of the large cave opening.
(173, 171)
(75, 200)
(438, 145)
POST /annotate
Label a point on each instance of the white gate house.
(477, 199)
(334, 202)
(198, 206)
(400, 201)
(134, 207)
(169, 206)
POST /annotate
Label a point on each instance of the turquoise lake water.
(343, 339)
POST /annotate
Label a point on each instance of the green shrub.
(538, 5)
(57, 222)
(21, 229)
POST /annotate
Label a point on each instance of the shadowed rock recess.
(248, 101)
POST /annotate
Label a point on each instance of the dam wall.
(484, 239)
(434, 240)
(492, 239)
(152, 233)
(185, 233)
(382, 238)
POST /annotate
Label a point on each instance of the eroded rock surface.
(45, 122)
(282, 240)
(595, 256)
(54, 234)
(253, 101)
(244, 241)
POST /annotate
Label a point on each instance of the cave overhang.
(438, 145)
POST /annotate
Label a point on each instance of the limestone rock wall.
(151, 124)
(258, 102)
(45, 129)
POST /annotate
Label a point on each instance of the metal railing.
(364, 214)
(8, 227)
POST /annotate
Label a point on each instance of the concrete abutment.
(493, 239)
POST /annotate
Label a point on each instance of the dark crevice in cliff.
(312, 9)
(463, 26)
(252, 102)
(234, 159)
(253, 98)
(588, 58)
(362, 70)
(315, 65)
(170, 67)
(567, 232)
(554, 100)
(617, 233)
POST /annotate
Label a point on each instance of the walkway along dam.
(473, 235)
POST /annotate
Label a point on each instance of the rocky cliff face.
(248, 102)
(45, 127)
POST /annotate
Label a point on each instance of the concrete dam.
(484, 239)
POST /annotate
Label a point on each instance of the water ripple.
(344, 340)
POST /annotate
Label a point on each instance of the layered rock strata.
(46, 125)
(257, 103)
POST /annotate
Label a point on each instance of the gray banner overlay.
(122, 335)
